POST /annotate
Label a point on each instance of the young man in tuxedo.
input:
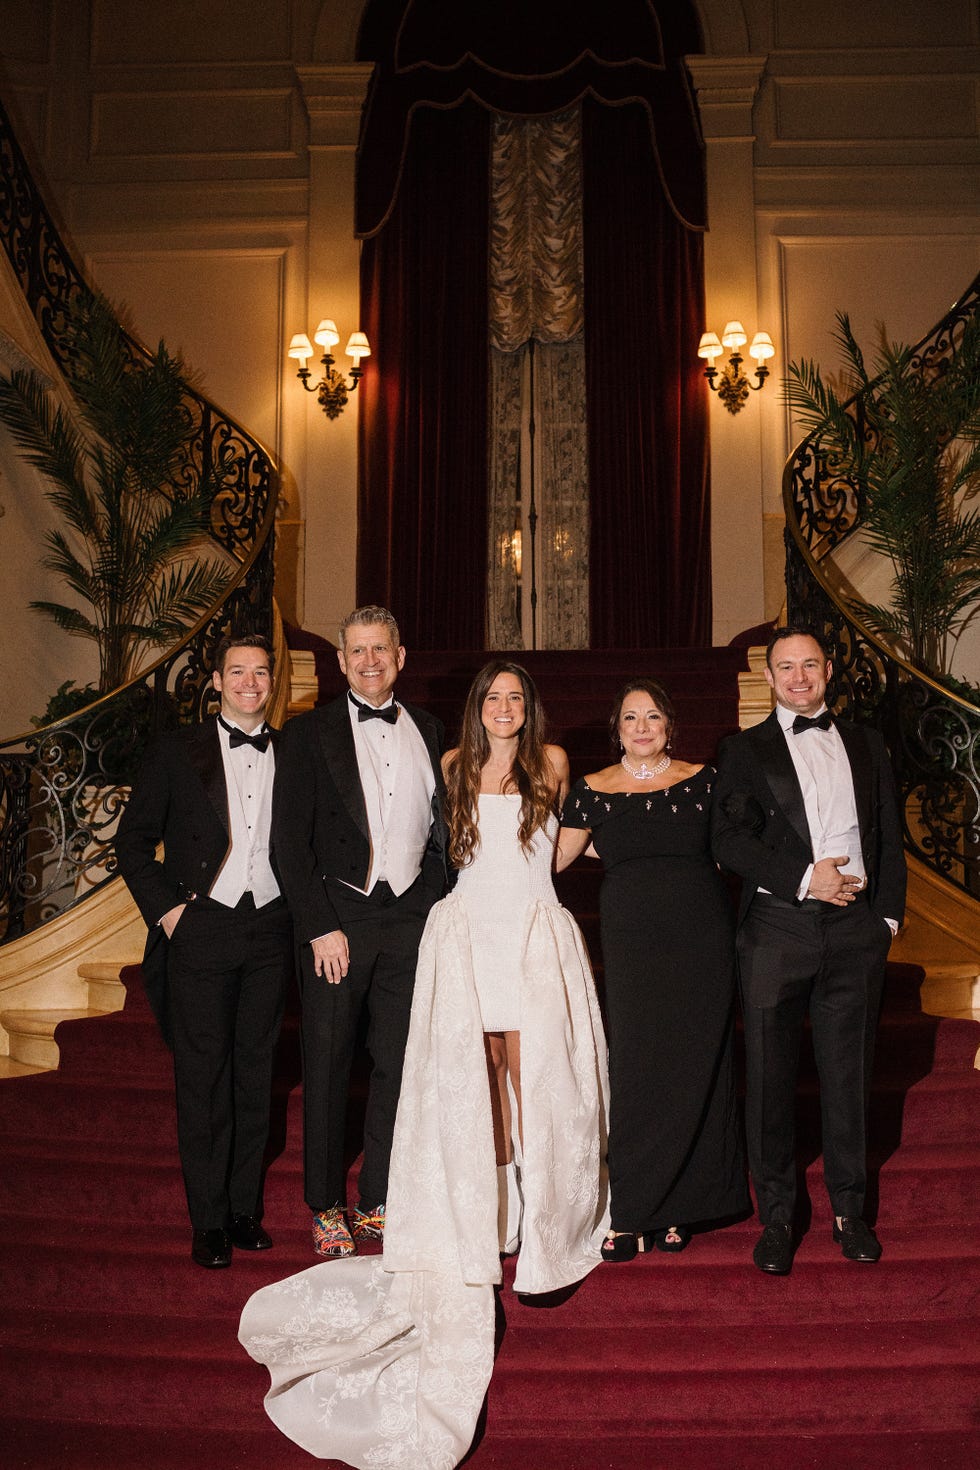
(361, 842)
(219, 949)
(805, 813)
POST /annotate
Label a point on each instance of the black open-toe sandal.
(623, 1246)
(663, 1244)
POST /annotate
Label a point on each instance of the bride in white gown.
(385, 1361)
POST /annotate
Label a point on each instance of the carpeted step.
(877, 1373)
(40, 1445)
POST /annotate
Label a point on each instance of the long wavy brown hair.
(531, 776)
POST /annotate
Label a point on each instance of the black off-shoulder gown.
(667, 928)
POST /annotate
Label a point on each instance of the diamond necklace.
(645, 772)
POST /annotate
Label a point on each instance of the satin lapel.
(859, 754)
(780, 773)
(204, 753)
(337, 746)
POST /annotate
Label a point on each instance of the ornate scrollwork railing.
(63, 786)
(932, 731)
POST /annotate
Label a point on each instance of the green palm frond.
(182, 595)
(132, 509)
(68, 618)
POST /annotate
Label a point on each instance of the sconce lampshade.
(326, 334)
(709, 346)
(762, 347)
(734, 335)
(357, 346)
(300, 347)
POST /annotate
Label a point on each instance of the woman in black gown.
(675, 1155)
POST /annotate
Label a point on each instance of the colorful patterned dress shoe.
(211, 1248)
(368, 1224)
(857, 1241)
(247, 1234)
(331, 1238)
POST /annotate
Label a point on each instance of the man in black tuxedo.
(219, 949)
(805, 813)
(361, 841)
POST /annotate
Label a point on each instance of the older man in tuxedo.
(219, 948)
(361, 840)
(805, 813)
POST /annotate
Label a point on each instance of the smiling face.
(643, 727)
(503, 711)
(798, 671)
(244, 683)
(371, 661)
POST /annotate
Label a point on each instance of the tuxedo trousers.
(227, 974)
(827, 962)
(383, 934)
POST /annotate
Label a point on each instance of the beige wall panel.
(27, 30)
(189, 31)
(228, 124)
(799, 24)
(29, 109)
(909, 283)
(221, 309)
(854, 111)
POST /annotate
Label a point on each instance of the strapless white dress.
(498, 889)
(384, 1361)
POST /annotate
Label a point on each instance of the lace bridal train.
(384, 1361)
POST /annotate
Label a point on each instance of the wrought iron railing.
(63, 786)
(932, 731)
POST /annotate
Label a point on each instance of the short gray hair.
(364, 617)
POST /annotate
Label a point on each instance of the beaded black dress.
(667, 929)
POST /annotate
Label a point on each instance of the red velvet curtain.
(422, 495)
(650, 567)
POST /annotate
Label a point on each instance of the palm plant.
(907, 437)
(132, 519)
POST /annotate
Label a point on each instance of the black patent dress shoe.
(857, 1241)
(247, 1234)
(211, 1248)
(774, 1250)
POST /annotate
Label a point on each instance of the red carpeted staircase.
(119, 1354)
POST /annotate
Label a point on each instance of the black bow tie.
(238, 737)
(368, 712)
(819, 722)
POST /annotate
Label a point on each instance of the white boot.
(509, 1208)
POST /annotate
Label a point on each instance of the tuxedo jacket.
(180, 799)
(320, 822)
(758, 821)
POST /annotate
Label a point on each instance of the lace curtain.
(538, 511)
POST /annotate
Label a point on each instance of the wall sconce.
(332, 389)
(734, 387)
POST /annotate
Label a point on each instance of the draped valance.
(527, 60)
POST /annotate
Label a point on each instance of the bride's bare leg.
(496, 1049)
(512, 1041)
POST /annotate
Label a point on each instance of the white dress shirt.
(393, 759)
(824, 774)
(248, 778)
